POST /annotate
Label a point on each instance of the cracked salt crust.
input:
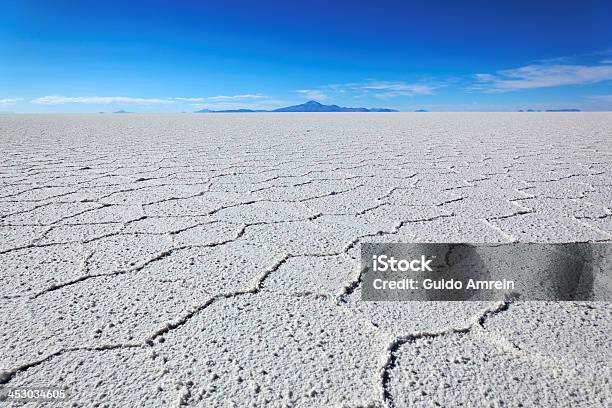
(568, 337)
(92, 378)
(255, 357)
(203, 260)
(325, 275)
(92, 315)
(471, 372)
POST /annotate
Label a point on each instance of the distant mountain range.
(550, 110)
(310, 106)
(562, 110)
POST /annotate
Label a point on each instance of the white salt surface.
(213, 260)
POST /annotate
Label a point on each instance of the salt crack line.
(7, 375)
(389, 358)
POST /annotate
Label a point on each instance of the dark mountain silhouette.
(310, 106)
(314, 106)
(562, 110)
(551, 110)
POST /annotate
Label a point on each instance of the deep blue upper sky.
(77, 56)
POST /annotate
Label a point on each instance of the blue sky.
(90, 56)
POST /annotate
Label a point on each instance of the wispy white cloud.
(385, 89)
(234, 97)
(378, 89)
(266, 104)
(126, 100)
(213, 101)
(7, 102)
(182, 99)
(99, 100)
(391, 89)
(313, 94)
(218, 98)
(542, 76)
(608, 61)
(604, 98)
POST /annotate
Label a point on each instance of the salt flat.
(213, 259)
